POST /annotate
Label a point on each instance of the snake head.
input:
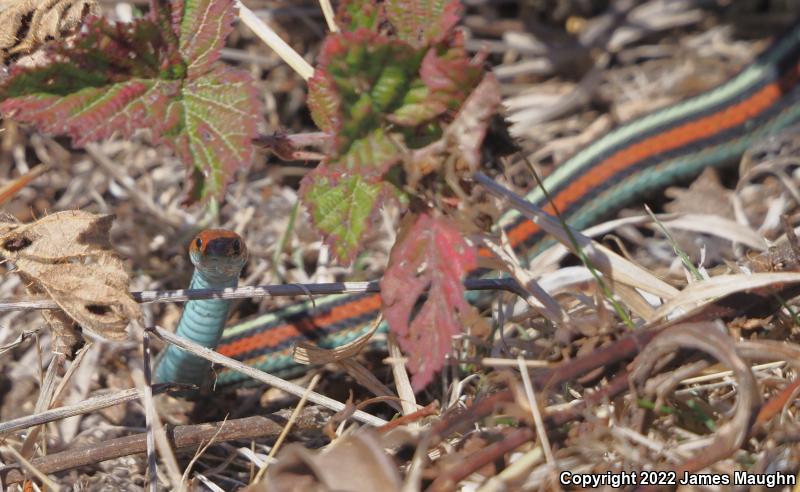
(218, 253)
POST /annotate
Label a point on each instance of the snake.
(670, 145)
(218, 256)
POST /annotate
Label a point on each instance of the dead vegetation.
(685, 364)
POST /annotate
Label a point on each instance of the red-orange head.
(218, 252)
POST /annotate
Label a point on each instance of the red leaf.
(161, 74)
(202, 27)
(324, 101)
(447, 78)
(422, 22)
(431, 254)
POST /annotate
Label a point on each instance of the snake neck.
(205, 279)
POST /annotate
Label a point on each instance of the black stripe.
(779, 68)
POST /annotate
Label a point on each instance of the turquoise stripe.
(753, 75)
(201, 322)
(674, 170)
(282, 364)
(763, 69)
(319, 303)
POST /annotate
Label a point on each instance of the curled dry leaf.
(352, 463)
(27, 24)
(68, 256)
(712, 340)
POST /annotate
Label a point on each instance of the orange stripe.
(279, 334)
(671, 139)
(600, 172)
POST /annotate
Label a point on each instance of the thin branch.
(287, 428)
(271, 39)
(32, 469)
(330, 17)
(281, 290)
(180, 437)
(86, 406)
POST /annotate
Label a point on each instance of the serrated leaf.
(217, 127)
(357, 14)
(384, 92)
(342, 208)
(124, 77)
(324, 101)
(414, 108)
(202, 29)
(372, 154)
(429, 254)
(361, 76)
(445, 81)
(421, 22)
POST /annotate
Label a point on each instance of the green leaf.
(324, 101)
(372, 154)
(204, 26)
(158, 74)
(445, 80)
(355, 14)
(414, 108)
(386, 89)
(361, 76)
(342, 208)
(216, 127)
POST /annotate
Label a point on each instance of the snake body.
(650, 153)
(218, 256)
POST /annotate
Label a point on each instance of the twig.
(57, 394)
(10, 189)
(609, 263)
(261, 376)
(407, 398)
(271, 39)
(180, 437)
(535, 412)
(156, 429)
(92, 404)
(152, 462)
(116, 173)
(32, 468)
(287, 428)
(21, 338)
(327, 11)
(426, 411)
(475, 461)
(183, 295)
(200, 452)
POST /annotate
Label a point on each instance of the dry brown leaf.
(27, 24)
(68, 256)
(352, 463)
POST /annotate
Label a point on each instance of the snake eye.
(198, 242)
(237, 246)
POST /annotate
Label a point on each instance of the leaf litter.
(68, 257)
(594, 424)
